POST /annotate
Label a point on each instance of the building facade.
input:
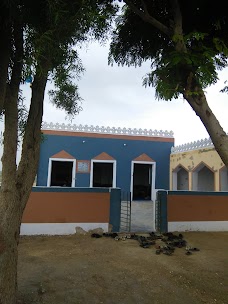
(137, 161)
(197, 166)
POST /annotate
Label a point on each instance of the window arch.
(223, 179)
(203, 178)
(180, 178)
(103, 171)
(61, 170)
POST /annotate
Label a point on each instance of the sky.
(114, 96)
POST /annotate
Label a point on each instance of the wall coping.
(194, 145)
(73, 189)
(106, 130)
(194, 193)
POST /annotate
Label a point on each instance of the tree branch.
(218, 136)
(144, 15)
(18, 57)
(177, 26)
(32, 137)
(11, 114)
(176, 13)
(5, 36)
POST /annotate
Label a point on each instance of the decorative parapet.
(195, 145)
(106, 130)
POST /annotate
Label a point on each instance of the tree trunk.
(32, 138)
(17, 184)
(9, 236)
(9, 204)
(10, 214)
(197, 100)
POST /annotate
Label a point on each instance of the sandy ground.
(80, 269)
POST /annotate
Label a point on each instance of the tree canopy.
(49, 31)
(186, 43)
(205, 37)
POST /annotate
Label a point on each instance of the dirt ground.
(80, 269)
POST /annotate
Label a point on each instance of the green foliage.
(22, 115)
(67, 26)
(134, 41)
(220, 46)
(169, 70)
(67, 98)
(225, 89)
(205, 37)
(65, 93)
(52, 31)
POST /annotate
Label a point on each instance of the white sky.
(114, 96)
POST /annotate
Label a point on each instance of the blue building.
(136, 161)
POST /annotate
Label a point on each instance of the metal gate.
(125, 215)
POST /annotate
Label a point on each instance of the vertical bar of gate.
(163, 211)
(161, 220)
(126, 210)
(157, 212)
(130, 212)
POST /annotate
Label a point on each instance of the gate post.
(161, 222)
(115, 209)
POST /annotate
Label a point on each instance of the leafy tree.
(39, 41)
(186, 42)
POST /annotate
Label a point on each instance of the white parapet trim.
(198, 226)
(194, 145)
(106, 130)
(59, 228)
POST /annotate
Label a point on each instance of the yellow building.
(197, 166)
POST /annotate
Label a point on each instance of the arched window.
(223, 179)
(180, 178)
(203, 178)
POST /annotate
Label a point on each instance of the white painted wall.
(59, 228)
(198, 226)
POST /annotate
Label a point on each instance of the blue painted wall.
(158, 151)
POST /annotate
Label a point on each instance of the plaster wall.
(191, 160)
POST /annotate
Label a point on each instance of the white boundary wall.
(59, 228)
(198, 226)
